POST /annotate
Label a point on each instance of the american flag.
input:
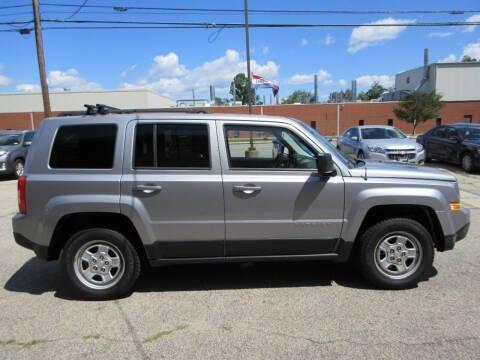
(259, 82)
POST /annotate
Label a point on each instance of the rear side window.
(172, 146)
(84, 147)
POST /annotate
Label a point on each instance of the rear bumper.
(39, 250)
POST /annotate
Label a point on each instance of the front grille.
(401, 156)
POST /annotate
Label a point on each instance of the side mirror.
(355, 138)
(325, 165)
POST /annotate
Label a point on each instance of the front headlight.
(2, 153)
(376, 149)
(419, 147)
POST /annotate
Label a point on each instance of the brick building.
(321, 116)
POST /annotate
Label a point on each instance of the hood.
(392, 144)
(394, 170)
(6, 148)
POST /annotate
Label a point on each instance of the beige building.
(75, 100)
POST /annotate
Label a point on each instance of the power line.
(15, 6)
(271, 11)
(266, 25)
(77, 10)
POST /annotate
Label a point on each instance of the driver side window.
(265, 147)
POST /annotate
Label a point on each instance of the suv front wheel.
(100, 264)
(396, 253)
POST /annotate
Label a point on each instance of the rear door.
(172, 188)
(435, 143)
(275, 202)
(452, 145)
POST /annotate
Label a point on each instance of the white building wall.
(458, 82)
(71, 101)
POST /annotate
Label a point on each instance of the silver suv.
(111, 194)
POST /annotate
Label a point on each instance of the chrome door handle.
(247, 189)
(148, 188)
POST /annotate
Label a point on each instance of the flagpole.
(247, 44)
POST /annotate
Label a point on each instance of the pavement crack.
(131, 330)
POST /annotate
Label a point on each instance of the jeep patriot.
(110, 194)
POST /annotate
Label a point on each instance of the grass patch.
(26, 344)
(90, 337)
(163, 333)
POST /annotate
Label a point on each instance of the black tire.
(466, 162)
(372, 237)
(15, 171)
(116, 241)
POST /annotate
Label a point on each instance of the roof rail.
(101, 109)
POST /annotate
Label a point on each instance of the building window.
(390, 122)
(313, 124)
(468, 118)
(408, 79)
(361, 122)
(438, 121)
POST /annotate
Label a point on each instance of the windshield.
(324, 141)
(470, 133)
(9, 140)
(381, 133)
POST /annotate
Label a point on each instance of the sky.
(175, 61)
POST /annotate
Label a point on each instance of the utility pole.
(247, 43)
(41, 60)
(193, 97)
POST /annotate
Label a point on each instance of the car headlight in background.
(419, 147)
(2, 153)
(376, 149)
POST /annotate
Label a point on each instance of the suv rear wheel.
(396, 253)
(100, 264)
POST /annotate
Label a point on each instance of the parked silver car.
(378, 142)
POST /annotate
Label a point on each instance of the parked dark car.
(13, 151)
(455, 143)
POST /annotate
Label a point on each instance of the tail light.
(22, 194)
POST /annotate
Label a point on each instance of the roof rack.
(101, 109)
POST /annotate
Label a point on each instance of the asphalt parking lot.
(282, 310)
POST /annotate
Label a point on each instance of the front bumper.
(449, 241)
(399, 156)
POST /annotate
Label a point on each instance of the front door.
(275, 202)
(172, 188)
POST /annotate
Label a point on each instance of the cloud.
(128, 70)
(471, 28)
(299, 79)
(218, 72)
(61, 80)
(342, 83)
(304, 42)
(329, 40)
(367, 81)
(265, 50)
(4, 80)
(441, 34)
(450, 58)
(167, 66)
(472, 50)
(363, 37)
(28, 88)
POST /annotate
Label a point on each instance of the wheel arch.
(72, 223)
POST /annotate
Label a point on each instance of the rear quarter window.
(84, 147)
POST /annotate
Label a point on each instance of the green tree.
(299, 96)
(373, 93)
(339, 96)
(219, 101)
(418, 107)
(239, 88)
(467, 58)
